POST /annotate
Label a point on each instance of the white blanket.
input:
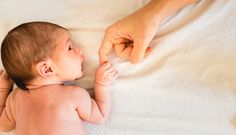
(185, 87)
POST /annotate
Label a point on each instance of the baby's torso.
(46, 112)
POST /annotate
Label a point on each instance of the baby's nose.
(82, 58)
(80, 52)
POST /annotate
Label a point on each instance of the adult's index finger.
(105, 49)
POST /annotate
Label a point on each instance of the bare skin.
(130, 37)
(51, 108)
(5, 88)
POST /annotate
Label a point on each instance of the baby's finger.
(113, 72)
(115, 75)
(106, 65)
(110, 69)
(113, 69)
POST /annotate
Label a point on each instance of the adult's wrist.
(161, 9)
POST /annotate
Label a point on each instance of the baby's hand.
(106, 74)
(5, 81)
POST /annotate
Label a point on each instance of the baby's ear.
(45, 68)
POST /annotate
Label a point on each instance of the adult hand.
(131, 36)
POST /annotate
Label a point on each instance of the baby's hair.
(26, 45)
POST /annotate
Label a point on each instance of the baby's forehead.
(62, 32)
(62, 38)
(62, 35)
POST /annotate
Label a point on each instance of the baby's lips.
(82, 65)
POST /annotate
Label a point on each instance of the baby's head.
(40, 51)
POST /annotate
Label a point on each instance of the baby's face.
(67, 58)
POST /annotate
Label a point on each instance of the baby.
(39, 57)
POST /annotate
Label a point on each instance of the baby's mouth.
(82, 66)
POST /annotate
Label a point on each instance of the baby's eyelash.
(70, 48)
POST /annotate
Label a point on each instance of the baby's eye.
(70, 48)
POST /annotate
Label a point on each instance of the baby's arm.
(97, 110)
(6, 120)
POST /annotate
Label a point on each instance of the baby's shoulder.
(75, 90)
(77, 93)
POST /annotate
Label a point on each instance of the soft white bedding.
(185, 87)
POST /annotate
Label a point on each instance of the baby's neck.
(40, 82)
